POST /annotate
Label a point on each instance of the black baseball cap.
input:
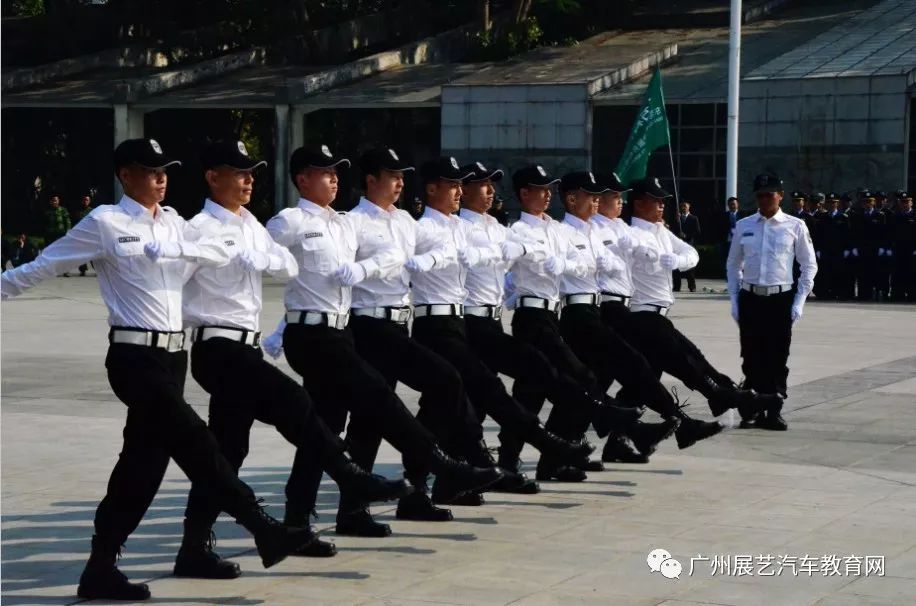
(833, 196)
(612, 182)
(233, 154)
(880, 194)
(445, 168)
(799, 195)
(142, 152)
(902, 195)
(767, 183)
(818, 197)
(317, 156)
(649, 187)
(581, 179)
(478, 172)
(533, 175)
(382, 158)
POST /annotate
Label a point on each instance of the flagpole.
(734, 77)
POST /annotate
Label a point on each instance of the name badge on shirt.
(580, 246)
(229, 242)
(126, 239)
(607, 242)
(312, 234)
(747, 233)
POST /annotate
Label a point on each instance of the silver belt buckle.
(175, 341)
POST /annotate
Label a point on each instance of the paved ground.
(841, 482)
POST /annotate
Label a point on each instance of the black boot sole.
(693, 439)
(318, 549)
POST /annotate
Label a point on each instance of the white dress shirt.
(485, 284)
(444, 283)
(377, 228)
(762, 252)
(583, 277)
(652, 283)
(139, 292)
(322, 240)
(230, 296)
(529, 278)
(616, 235)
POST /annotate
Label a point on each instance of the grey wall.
(827, 134)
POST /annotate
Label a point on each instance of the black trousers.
(765, 325)
(867, 272)
(160, 425)
(664, 347)
(540, 329)
(536, 379)
(444, 407)
(244, 387)
(342, 382)
(612, 358)
(447, 336)
(691, 276)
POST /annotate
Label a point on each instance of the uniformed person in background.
(904, 278)
(83, 212)
(799, 204)
(817, 214)
(841, 231)
(765, 304)
(867, 230)
(319, 344)
(884, 264)
(144, 253)
(222, 307)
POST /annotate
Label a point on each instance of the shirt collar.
(472, 216)
(312, 208)
(437, 216)
(535, 221)
(645, 225)
(137, 210)
(779, 217)
(224, 215)
(374, 209)
(601, 219)
(576, 222)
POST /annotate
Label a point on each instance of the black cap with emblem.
(317, 156)
(818, 197)
(799, 195)
(581, 179)
(611, 182)
(382, 158)
(445, 168)
(532, 176)
(233, 154)
(142, 152)
(833, 197)
(649, 188)
(478, 172)
(767, 183)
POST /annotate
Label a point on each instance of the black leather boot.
(359, 488)
(620, 449)
(608, 416)
(647, 436)
(567, 451)
(360, 524)
(274, 540)
(419, 507)
(299, 516)
(196, 558)
(101, 579)
(459, 478)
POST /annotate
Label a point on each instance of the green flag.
(649, 132)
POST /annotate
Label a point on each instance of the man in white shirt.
(535, 377)
(535, 321)
(647, 326)
(144, 253)
(765, 304)
(222, 307)
(380, 314)
(319, 343)
(439, 294)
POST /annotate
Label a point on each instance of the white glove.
(855, 252)
(162, 249)
(554, 266)
(845, 254)
(646, 253)
(817, 254)
(889, 252)
(273, 345)
(735, 309)
(469, 257)
(880, 252)
(668, 260)
(511, 250)
(253, 260)
(350, 273)
(796, 311)
(420, 263)
(609, 265)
